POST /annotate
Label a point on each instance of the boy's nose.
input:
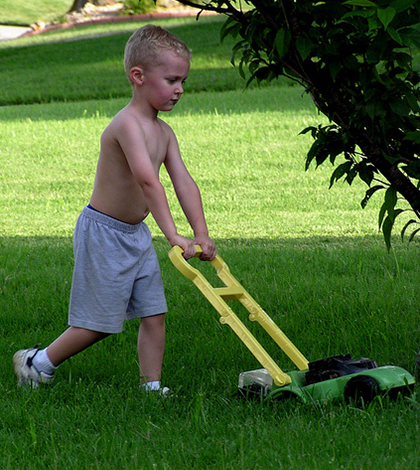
(179, 89)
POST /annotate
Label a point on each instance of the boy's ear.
(137, 75)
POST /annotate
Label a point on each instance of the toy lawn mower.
(333, 378)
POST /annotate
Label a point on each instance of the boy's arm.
(189, 198)
(134, 148)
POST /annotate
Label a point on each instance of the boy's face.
(164, 81)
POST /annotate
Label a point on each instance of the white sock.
(152, 386)
(43, 363)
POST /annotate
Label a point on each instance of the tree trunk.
(78, 5)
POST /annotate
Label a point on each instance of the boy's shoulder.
(125, 115)
(131, 117)
(165, 126)
(123, 121)
(129, 124)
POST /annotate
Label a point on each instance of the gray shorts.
(116, 274)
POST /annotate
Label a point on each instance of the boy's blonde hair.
(145, 45)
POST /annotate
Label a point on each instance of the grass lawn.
(310, 256)
(21, 12)
(92, 67)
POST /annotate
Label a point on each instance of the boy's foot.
(26, 372)
(164, 392)
(161, 391)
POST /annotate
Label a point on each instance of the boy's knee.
(154, 320)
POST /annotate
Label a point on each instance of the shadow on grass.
(242, 101)
(330, 295)
(324, 293)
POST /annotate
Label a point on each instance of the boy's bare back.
(116, 191)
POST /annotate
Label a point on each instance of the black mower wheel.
(361, 390)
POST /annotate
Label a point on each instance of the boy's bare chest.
(157, 145)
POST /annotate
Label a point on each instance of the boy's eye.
(174, 80)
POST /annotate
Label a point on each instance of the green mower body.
(337, 378)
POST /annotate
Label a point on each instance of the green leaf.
(350, 62)
(412, 102)
(237, 47)
(395, 36)
(413, 234)
(386, 230)
(241, 69)
(363, 13)
(351, 175)
(386, 16)
(311, 129)
(281, 42)
(334, 67)
(369, 194)
(374, 23)
(414, 136)
(397, 213)
(304, 46)
(339, 172)
(404, 60)
(400, 107)
(262, 73)
(366, 173)
(253, 66)
(229, 27)
(410, 37)
(390, 199)
(360, 3)
(410, 222)
(388, 207)
(390, 157)
(412, 169)
(376, 50)
(375, 108)
(313, 152)
(402, 5)
(382, 212)
(321, 156)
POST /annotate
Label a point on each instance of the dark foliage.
(355, 59)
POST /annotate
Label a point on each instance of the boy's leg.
(34, 366)
(71, 342)
(151, 345)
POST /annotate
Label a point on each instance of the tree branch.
(229, 11)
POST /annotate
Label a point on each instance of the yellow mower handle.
(234, 290)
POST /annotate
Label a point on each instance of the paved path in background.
(12, 32)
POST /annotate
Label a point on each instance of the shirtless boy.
(116, 274)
